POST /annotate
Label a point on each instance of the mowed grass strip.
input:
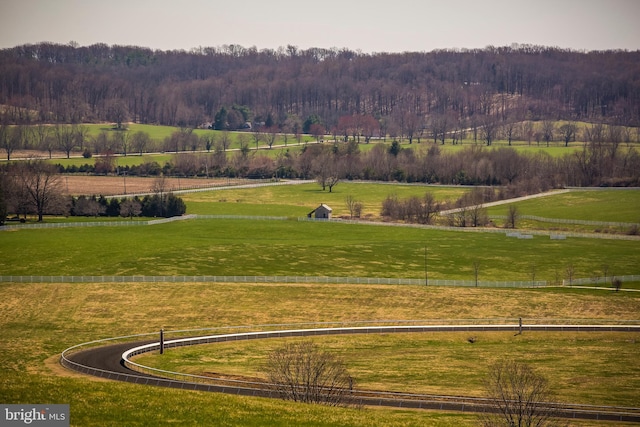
(579, 365)
(292, 248)
(40, 320)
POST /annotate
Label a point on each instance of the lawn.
(40, 320)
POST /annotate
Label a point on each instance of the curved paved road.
(107, 362)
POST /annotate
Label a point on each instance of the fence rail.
(274, 279)
(545, 233)
(571, 221)
(600, 280)
(134, 223)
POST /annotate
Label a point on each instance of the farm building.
(321, 212)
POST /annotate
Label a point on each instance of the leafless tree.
(40, 183)
(570, 272)
(354, 206)
(13, 138)
(512, 217)
(64, 138)
(139, 141)
(519, 397)
(489, 129)
(225, 140)
(478, 215)
(568, 132)
(130, 208)
(85, 206)
(42, 138)
(123, 140)
(302, 372)
(270, 135)
(548, 131)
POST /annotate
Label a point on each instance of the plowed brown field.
(118, 185)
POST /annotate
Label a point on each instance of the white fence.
(273, 279)
(134, 223)
(571, 221)
(606, 281)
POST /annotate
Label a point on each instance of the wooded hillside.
(457, 88)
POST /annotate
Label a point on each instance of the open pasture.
(615, 205)
(292, 248)
(40, 320)
(299, 200)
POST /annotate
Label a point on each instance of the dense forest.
(54, 83)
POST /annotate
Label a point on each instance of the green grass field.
(290, 248)
(616, 205)
(299, 200)
(40, 320)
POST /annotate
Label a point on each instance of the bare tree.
(354, 206)
(519, 397)
(224, 140)
(548, 131)
(568, 132)
(270, 135)
(139, 141)
(40, 182)
(429, 208)
(86, 206)
(130, 208)
(64, 138)
(302, 372)
(11, 138)
(489, 129)
(123, 140)
(570, 272)
(512, 217)
(42, 138)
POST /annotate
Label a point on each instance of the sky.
(366, 25)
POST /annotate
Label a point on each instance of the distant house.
(321, 212)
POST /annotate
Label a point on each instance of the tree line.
(595, 164)
(34, 187)
(455, 88)
(359, 128)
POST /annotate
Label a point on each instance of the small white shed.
(321, 212)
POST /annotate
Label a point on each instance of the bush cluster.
(166, 205)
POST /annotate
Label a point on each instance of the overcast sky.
(367, 25)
